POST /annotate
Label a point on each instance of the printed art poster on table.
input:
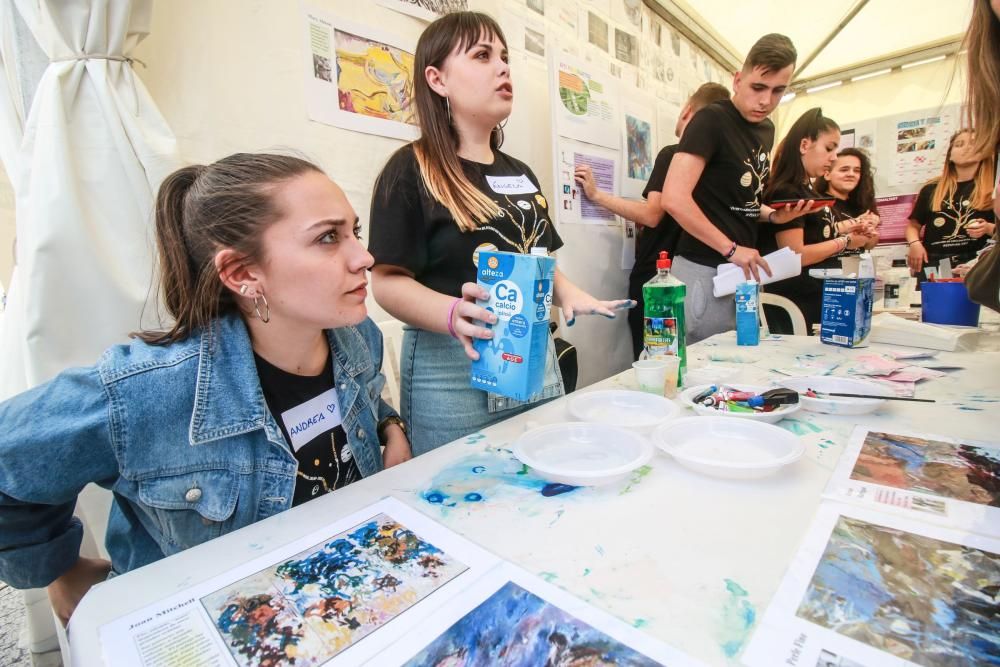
(931, 478)
(357, 77)
(868, 589)
(385, 585)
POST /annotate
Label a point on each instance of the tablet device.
(818, 202)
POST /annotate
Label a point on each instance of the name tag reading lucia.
(512, 185)
(312, 418)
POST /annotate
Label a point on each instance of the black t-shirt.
(651, 240)
(844, 210)
(411, 229)
(307, 410)
(816, 227)
(944, 231)
(737, 164)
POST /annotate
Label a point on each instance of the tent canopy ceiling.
(880, 29)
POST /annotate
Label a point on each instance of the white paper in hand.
(784, 263)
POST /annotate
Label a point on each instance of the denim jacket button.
(193, 495)
(361, 434)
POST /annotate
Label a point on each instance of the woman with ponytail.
(437, 203)
(806, 153)
(262, 393)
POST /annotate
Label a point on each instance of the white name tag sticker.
(312, 418)
(512, 185)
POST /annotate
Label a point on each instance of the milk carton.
(847, 311)
(520, 287)
(747, 316)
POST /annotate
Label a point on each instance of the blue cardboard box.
(847, 311)
(520, 294)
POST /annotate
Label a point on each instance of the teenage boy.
(657, 230)
(715, 181)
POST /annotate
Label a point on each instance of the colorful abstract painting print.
(309, 608)
(516, 627)
(928, 601)
(945, 469)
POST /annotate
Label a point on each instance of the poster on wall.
(894, 212)
(426, 10)
(639, 146)
(358, 78)
(585, 100)
(667, 114)
(574, 206)
(920, 146)
(626, 47)
(868, 588)
(927, 477)
(597, 31)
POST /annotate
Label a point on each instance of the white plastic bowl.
(583, 453)
(632, 409)
(730, 448)
(776, 415)
(836, 405)
(709, 374)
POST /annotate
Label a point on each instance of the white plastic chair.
(798, 321)
(392, 346)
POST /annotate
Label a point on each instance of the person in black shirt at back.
(849, 181)
(806, 152)
(954, 211)
(657, 230)
(715, 181)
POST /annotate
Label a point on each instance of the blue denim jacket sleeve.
(64, 425)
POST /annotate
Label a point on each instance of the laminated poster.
(585, 100)
(871, 589)
(931, 478)
(383, 586)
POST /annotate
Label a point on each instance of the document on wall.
(586, 100)
(574, 205)
(639, 145)
(384, 577)
(920, 147)
(931, 478)
(868, 588)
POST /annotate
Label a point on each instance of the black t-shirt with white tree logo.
(737, 164)
(945, 233)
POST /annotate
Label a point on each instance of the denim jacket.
(180, 434)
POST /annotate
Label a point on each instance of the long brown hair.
(437, 149)
(862, 197)
(947, 182)
(202, 209)
(982, 99)
(787, 168)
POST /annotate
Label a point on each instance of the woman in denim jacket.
(262, 269)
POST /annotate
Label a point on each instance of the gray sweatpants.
(704, 314)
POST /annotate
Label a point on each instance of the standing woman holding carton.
(437, 203)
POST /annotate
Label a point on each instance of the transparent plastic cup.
(657, 375)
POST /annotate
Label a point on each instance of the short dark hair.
(771, 53)
(707, 93)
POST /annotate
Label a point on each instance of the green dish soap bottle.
(663, 315)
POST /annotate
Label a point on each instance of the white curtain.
(85, 150)
(94, 149)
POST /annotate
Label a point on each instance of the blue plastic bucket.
(947, 303)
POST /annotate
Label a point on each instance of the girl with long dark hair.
(850, 182)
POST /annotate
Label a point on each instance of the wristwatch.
(388, 421)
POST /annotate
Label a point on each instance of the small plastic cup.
(657, 375)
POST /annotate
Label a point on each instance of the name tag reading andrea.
(312, 418)
(512, 185)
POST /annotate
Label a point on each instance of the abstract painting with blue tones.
(931, 602)
(516, 627)
(309, 608)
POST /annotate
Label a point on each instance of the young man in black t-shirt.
(715, 180)
(657, 230)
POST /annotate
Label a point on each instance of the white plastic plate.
(731, 448)
(836, 405)
(632, 409)
(583, 453)
(776, 415)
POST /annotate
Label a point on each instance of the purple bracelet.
(451, 316)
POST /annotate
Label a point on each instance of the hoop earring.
(447, 104)
(266, 317)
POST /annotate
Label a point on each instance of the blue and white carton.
(512, 364)
(747, 315)
(847, 311)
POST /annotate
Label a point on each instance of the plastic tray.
(777, 415)
(583, 453)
